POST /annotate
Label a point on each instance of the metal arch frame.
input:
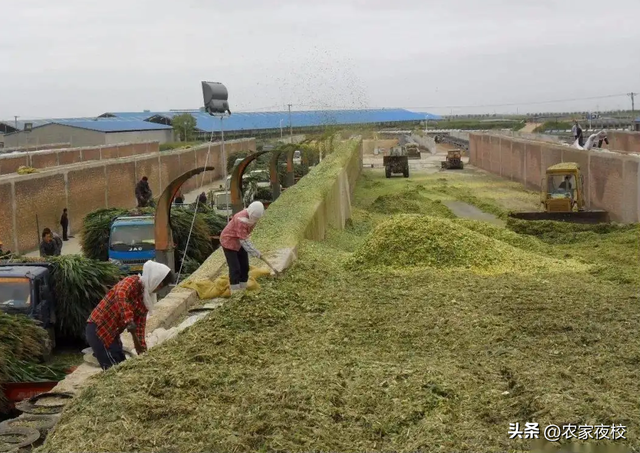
(162, 223)
(236, 180)
(274, 165)
(290, 177)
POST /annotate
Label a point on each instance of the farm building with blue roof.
(270, 123)
(119, 127)
(85, 132)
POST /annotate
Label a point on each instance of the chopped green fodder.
(410, 200)
(549, 230)
(502, 234)
(407, 241)
(330, 360)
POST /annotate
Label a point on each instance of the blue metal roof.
(111, 124)
(274, 120)
(429, 116)
(21, 123)
(130, 115)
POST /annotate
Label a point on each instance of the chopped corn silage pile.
(408, 241)
(381, 359)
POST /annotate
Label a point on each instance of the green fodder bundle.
(407, 241)
(215, 222)
(502, 234)
(96, 228)
(97, 225)
(79, 284)
(23, 345)
(200, 246)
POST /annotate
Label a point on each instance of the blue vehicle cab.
(132, 242)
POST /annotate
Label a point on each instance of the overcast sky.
(83, 58)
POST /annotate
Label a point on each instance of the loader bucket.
(571, 217)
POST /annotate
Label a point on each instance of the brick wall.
(48, 158)
(624, 141)
(611, 178)
(37, 200)
(38, 147)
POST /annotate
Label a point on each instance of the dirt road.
(530, 127)
(467, 211)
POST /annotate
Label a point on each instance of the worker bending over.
(599, 138)
(125, 307)
(237, 246)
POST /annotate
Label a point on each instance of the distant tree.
(184, 125)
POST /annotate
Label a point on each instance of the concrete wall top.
(35, 148)
(49, 149)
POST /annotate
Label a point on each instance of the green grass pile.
(200, 245)
(409, 240)
(287, 220)
(96, 228)
(23, 346)
(215, 222)
(79, 284)
(94, 237)
(410, 200)
(502, 234)
(550, 230)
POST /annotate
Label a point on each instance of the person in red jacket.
(125, 307)
(237, 246)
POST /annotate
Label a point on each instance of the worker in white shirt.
(599, 138)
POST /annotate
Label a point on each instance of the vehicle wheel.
(20, 437)
(387, 172)
(406, 172)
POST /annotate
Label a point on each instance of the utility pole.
(15, 122)
(290, 126)
(633, 101)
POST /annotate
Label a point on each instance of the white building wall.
(161, 136)
(55, 133)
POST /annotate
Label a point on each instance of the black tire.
(29, 406)
(387, 172)
(405, 172)
(43, 423)
(29, 435)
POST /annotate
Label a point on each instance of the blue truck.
(132, 242)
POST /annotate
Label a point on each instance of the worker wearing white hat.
(237, 246)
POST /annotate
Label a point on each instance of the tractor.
(453, 161)
(396, 161)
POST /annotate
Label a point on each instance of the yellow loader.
(562, 198)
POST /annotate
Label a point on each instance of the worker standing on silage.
(237, 246)
(125, 307)
(576, 130)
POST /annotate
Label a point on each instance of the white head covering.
(255, 211)
(152, 275)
